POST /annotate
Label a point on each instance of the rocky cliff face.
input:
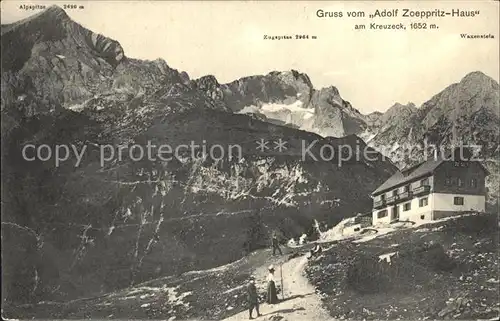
(77, 230)
(288, 98)
(335, 116)
(462, 107)
(468, 113)
(392, 126)
(475, 93)
(49, 58)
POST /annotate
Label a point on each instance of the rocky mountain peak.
(395, 118)
(400, 105)
(477, 76)
(289, 98)
(50, 17)
(210, 86)
(291, 76)
(52, 32)
(477, 84)
(55, 12)
(375, 114)
(330, 90)
(208, 80)
(398, 108)
(50, 57)
(475, 93)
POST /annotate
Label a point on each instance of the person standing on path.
(253, 299)
(272, 296)
(276, 245)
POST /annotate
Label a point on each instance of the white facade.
(445, 202)
(438, 205)
(416, 212)
(382, 220)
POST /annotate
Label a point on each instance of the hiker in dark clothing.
(276, 245)
(253, 299)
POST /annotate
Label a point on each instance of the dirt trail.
(300, 303)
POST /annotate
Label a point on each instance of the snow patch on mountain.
(294, 114)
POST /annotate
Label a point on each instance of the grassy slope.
(210, 294)
(455, 259)
(445, 270)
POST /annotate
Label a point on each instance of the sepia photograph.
(237, 160)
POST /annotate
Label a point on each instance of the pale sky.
(372, 69)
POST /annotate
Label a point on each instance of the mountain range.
(69, 232)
